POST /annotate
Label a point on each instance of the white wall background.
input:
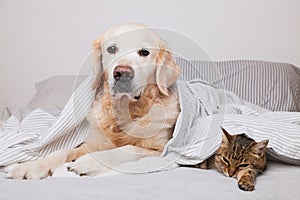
(41, 38)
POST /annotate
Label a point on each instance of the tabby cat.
(240, 157)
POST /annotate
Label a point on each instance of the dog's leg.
(43, 167)
(103, 161)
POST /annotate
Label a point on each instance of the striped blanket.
(196, 136)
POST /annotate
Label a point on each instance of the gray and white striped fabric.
(196, 135)
(43, 132)
(271, 85)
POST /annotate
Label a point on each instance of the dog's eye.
(143, 52)
(112, 49)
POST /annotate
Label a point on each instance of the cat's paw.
(203, 165)
(246, 185)
(30, 170)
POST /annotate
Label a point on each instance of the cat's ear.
(259, 148)
(226, 137)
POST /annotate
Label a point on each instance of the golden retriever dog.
(134, 111)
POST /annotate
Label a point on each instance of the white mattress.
(278, 182)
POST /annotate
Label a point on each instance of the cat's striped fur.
(240, 157)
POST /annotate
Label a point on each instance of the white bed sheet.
(278, 182)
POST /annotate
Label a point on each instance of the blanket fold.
(196, 135)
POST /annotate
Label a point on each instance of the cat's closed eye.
(243, 165)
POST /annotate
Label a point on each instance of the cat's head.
(239, 152)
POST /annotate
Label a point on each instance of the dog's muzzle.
(123, 73)
(123, 76)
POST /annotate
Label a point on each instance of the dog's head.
(130, 56)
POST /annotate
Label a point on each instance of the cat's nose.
(231, 174)
(231, 171)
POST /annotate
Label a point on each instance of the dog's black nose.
(123, 73)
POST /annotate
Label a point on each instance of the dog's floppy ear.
(98, 68)
(167, 72)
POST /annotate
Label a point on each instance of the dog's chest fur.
(147, 123)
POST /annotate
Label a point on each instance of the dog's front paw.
(89, 166)
(30, 170)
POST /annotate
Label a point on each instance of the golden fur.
(140, 127)
(109, 120)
